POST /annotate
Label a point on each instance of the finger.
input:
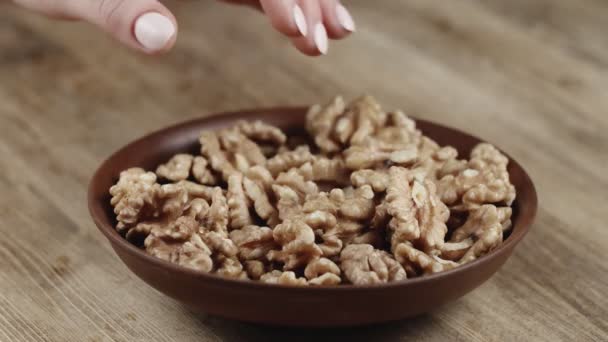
(316, 41)
(145, 25)
(338, 21)
(286, 16)
(48, 8)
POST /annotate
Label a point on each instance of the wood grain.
(528, 75)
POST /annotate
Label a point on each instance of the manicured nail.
(298, 17)
(344, 18)
(321, 38)
(153, 31)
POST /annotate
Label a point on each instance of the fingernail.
(298, 17)
(345, 19)
(153, 30)
(321, 38)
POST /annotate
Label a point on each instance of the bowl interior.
(156, 148)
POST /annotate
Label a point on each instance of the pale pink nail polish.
(321, 38)
(300, 20)
(153, 31)
(345, 19)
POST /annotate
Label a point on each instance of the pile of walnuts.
(368, 199)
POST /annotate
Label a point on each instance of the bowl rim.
(96, 210)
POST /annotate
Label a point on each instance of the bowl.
(341, 305)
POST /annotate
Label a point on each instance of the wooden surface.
(528, 75)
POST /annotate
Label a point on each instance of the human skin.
(150, 27)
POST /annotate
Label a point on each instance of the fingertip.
(344, 18)
(306, 47)
(286, 17)
(337, 19)
(155, 32)
(300, 20)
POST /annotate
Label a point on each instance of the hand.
(148, 26)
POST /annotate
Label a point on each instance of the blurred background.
(530, 76)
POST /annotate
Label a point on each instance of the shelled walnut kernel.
(371, 200)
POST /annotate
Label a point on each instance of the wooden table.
(530, 76)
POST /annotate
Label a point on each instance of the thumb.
(145, 25)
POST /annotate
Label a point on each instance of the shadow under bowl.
(252, 301)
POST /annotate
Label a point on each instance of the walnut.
(349, 229)
(255, 269)
(320, 220)
(298, 244)
(372, 237)
(140, 231)
(488, 239)
(395, 138)
(261, 201)
(485, 180)
(288, 201)
(134, 196)
(182, 241)
(261, 132)
(400, 120)
(322, 271)
(364, 265)
(194, 254)
(261, 176)
(504, 216)
(177, 168)
(253, 242)
(455, 250)
(432, 216)
(320, 121)
(282, 278)
(406, 254)
(338, 217)
(198, 209)
(485, 216)
(427, 147)
(296, 181)
(362, 118)
(330, 243)
(373, 153)
(323, 201)
(378, 180)
(381, 218)
(195, 190)
(359, 205)
(238, 202)
(211, 149)
(404, 156)
(166, 241)
(238, 145)
(231, 268)
(400, 206)
(447, 162)
(325, 169)
(201, 171)
(440, 163)
(365, 156)
(174, 197)
(220, 244)
(217, 217)
(496, 191)
(179, 230)
(327, 231)
(286, 160)
(485, 155)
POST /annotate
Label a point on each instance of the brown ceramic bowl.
(297, 306)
